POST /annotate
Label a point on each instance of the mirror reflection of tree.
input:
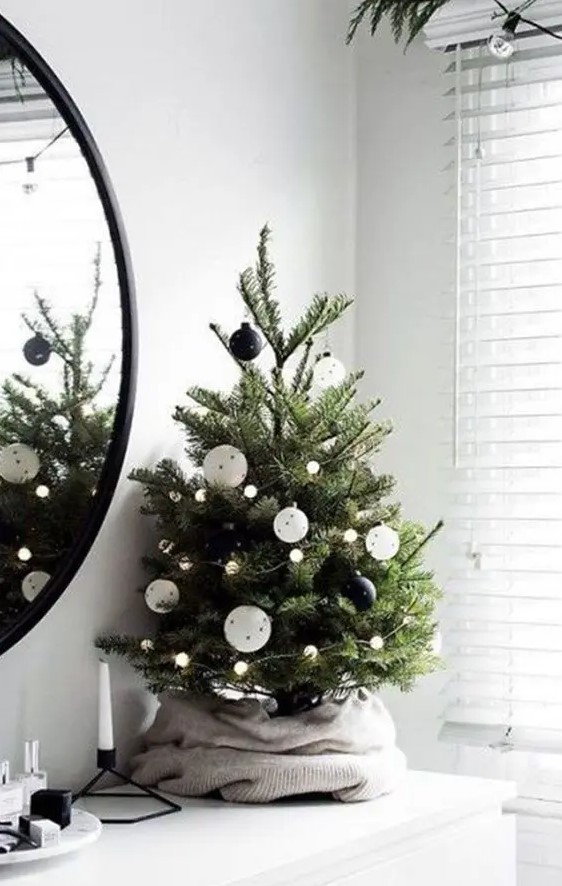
(53, 443)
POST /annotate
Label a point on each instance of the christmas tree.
(53, 443)
(282, 568)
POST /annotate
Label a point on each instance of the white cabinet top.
(211, 843)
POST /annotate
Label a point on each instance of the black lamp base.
(106, 761)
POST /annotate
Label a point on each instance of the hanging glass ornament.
(328, 371)
(361, 591)
(225, 466)
(37, 350)
(247, 628)
(382, 542)
(246, 343)
(310, 652)
(291, 525)
(174, 496)
(18, 463)
(33, 584)
(147, 645)
(162, 595)
(200, 495)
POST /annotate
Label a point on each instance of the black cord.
(528, 21)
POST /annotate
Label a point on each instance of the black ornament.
(224, 544)
(361, 591)
(246, 343)
(37, 350)
(9, 534)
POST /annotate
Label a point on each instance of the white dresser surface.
(211, 843)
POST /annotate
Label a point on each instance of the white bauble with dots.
(382, 542)
(33, 584)
(247, 628)
(328, 371)
(225, 466)
(18, 463)
(162, 595)
(290, 525)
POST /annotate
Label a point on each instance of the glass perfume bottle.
(33, 778)
(11, 796)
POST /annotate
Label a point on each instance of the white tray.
(84, 829)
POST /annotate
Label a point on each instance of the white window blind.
(503, 621)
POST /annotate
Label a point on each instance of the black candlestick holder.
(107, 761)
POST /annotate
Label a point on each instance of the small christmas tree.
(282, 568)
(53, 445)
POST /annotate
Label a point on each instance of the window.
(504, 618)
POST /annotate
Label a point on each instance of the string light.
(42, 491)
(241, 668)
(296, 555)
(181, 660)
(313, 467)
(250, 491)
(147, 645)
(185, 564)
(310, 652)
(232, 567)
(201, 495)
(24, 554)
(350, 535)
(376, 643)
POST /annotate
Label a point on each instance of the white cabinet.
(437, 830)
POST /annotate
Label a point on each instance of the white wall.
(403, 267)
(213, 117)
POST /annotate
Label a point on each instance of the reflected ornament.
(246, 343)
(162, 595)
(18, 463)
(328, 372)
(225, 466)
(382, 542)
(291, 525)
(33, 584)
(37, 350)
(247, 628)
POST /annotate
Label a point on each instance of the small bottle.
(32, 779)
(11, 796)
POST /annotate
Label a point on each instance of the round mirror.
(67, 342)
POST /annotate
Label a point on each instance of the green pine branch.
(407, 17)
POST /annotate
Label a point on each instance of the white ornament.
(250, 491)
(181, 660)
(174, 496)
(328, 371)
(33, 584)
(290, 525)
(350, 535)
(185, 564)
(225, 466)
(162, 595)
(436, 645)
(310, 652)
(18, 463)
(232, 567)
(24, 554)
(247, 628)
(382, 542)
(42, 491)
(241, 668)
(313, 467)
(147, 645)
(376, 643)
(296, 556)
(200, 495)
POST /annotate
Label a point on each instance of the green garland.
(407, 17)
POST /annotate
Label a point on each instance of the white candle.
(105, 716)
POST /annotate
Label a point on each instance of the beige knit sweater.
(196, 746)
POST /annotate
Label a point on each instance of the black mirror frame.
(124, 411)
